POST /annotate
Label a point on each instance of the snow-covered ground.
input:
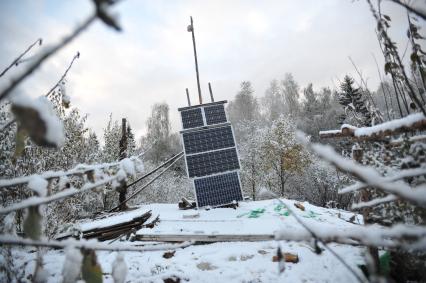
(225, 261)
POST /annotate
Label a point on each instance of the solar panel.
(208, 139)
(218, 189)
(208, 163)
(215, 114)
(211, 154)
(192, 118)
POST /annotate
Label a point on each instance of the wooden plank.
(205, 238)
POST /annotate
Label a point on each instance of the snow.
(390, 125)
(128, 166)
(233, 261)
(72, 265)
(54, 127)
(119, 269)
(38, 185)
(329, 132)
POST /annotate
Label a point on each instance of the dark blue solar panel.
(215, 114)
(208, 139)
(218, 189)
(208, 163)
(192, 118)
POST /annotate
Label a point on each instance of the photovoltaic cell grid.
(192, 118)
(215, 114)
(209, 163)
(208, 139)
(217, 190)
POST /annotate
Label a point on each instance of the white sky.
(152, 59)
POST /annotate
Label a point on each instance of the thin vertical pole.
(211, 92)
(187, 97)
(191, 29)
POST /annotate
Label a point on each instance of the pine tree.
(353, 102)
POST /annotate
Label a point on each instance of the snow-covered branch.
(368, 175)
(34, 201)
(398, 236)
(407, 173)
(89, 244)
(409, 123)
(374, 202)
(77, 170)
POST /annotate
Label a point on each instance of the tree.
(245, 106)
(250, 156)
(282, 155)
(158, 135)
(354, 103)
(290, 93)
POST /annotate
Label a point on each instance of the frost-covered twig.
(91, 245)
(17, 60)
(368, 175)
(407, 173)
(374, 202)
(398, 236)
(64, 75)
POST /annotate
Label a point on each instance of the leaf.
(387, 17)
(414, 57)
(21, 136)
(91, 270)
(30, 120)
(32, 223)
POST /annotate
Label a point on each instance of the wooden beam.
(205, 238)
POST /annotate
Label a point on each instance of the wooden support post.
(187, 97)
(211, 92)
(122, 189)
(357, 154)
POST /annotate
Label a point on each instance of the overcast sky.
(152, 59)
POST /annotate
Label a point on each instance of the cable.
(149, 183)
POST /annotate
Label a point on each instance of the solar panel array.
(208, 163)
(218, 189)
(211, 139)
(192, 118)
(215, 114)
(211, 156)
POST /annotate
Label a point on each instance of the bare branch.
(64, 75)
(43, 57)
(18, 59)
(418, 12)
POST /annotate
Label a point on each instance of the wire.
(176, 158)
(345, 264)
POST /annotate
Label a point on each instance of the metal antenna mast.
(190, 28)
